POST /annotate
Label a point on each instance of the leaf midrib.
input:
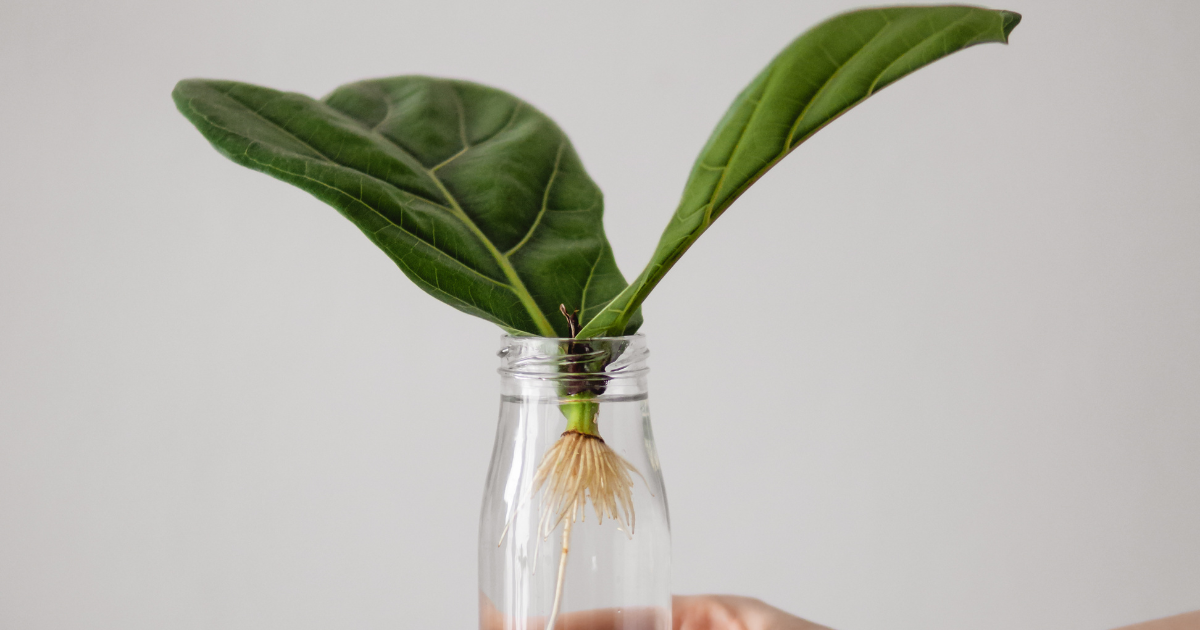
(510, 272)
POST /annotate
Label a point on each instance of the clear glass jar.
(566, 408)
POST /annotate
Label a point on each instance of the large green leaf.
(476, 195)
(821, 75)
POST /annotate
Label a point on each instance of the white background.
(940, 369)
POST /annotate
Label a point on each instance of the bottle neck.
(579, 373)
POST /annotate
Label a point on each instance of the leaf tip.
(182, 86)
(182, 90)
(1009, 21)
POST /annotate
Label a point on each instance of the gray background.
(938, 370)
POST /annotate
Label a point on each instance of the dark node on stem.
(576, 363)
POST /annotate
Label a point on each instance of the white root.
(562, 573)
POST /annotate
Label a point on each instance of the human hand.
(1186, 621)
(690, 612)
(730, 612)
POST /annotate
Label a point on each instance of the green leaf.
(820, 76)
(477, 196)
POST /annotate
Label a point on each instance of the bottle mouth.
(557, 358)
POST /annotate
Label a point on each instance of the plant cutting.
(481, 200)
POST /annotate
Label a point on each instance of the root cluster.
(577, 468)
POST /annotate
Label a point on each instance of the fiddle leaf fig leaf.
(478, 197)
(818, 77)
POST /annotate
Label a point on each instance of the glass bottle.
(546, 559)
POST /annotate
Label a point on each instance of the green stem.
(581, 411)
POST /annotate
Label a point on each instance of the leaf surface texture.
(478, 197)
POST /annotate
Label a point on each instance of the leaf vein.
(787, 144)
(941, 31)
(545, 202)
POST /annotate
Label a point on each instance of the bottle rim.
(634, 336)
(567, 359)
